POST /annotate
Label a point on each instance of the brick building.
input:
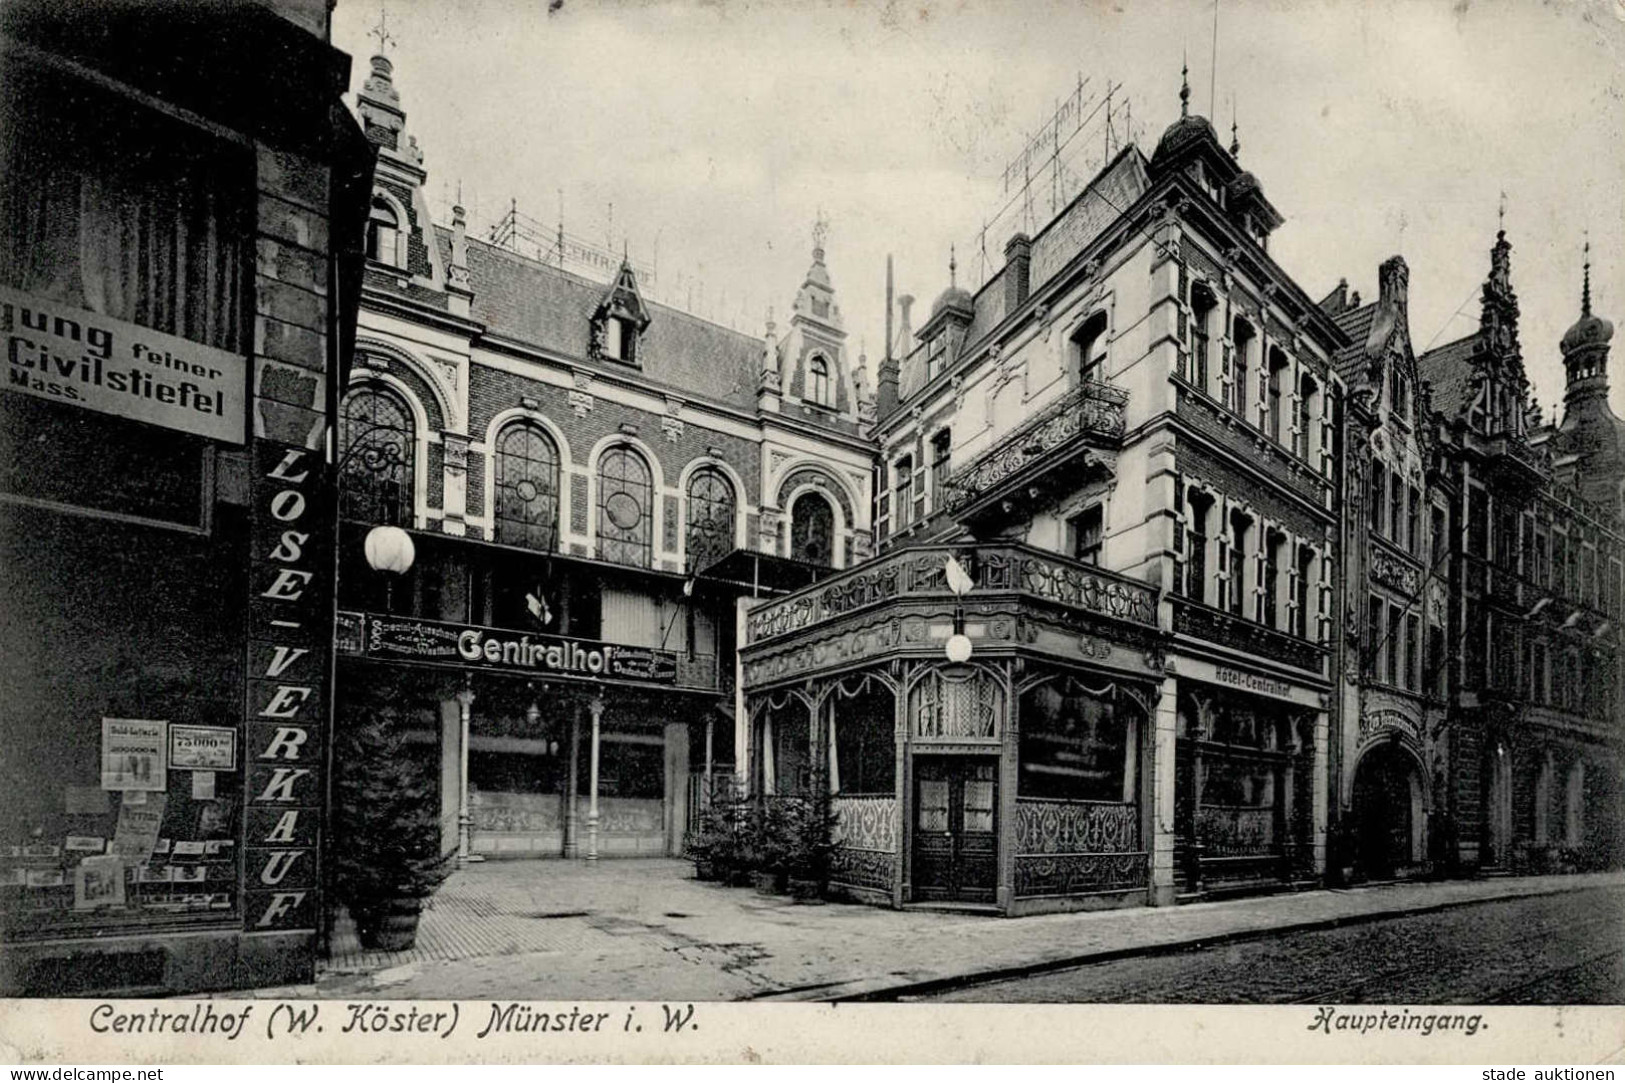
(177, 280)
(594, 483)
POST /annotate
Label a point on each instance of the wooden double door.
(956, 829)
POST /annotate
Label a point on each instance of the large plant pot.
(768, 883)
(704, 869)
(390, 926)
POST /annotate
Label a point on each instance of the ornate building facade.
(594, 484)
(1482, 679)
(1090, 664)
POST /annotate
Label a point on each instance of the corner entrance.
(1388, 812)
(955, 828)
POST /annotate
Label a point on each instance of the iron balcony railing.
(1090, 410)
(1217, 626)
(919, 573)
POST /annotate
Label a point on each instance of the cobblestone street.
(646, 930)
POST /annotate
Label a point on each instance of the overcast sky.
(718, 131)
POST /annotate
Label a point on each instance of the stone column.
(1162, 780)
(454, 499)
(465, 702)
(597, 709)
(1320, 791)
(572, 839)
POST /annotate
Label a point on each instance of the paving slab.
(646, 930)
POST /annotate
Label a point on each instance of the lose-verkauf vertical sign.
(76, 357)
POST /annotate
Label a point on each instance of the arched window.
(812, 530)
(376, 439)
(383, 233)
(818, 384)
(625, 507)
(1089, 349)
(1196, 547)
(1307, 391)
(527, 488)
(710, 517)
(1242, 337)
(1278, 371)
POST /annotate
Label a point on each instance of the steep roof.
(1448, 370)
(1356, 324)
(543, 306)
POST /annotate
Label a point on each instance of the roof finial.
(1585, 290)
(381, 32)
(1235, 140)
(820, 232)
(953, 267)
(1184, 87)
(1501, 216)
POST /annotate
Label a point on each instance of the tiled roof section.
(1113, 190)
(543, 306)
(989, 308)
(1448, 370)
(1356, 324)
(442, 244)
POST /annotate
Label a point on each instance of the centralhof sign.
(70, 355)
(408, 639)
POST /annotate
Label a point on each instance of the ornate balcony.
(1249, 637)
(918, 573)
(1028, 463)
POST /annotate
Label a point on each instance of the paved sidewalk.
(645, 930)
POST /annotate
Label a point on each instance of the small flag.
(959, 580)
(538, 609)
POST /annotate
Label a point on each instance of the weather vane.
(820, 229)
(381, 32)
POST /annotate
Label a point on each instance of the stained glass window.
(527, 488)
(710, 517)
(625, 507)
(812, 530)
(378, 439)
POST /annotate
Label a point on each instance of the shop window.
(625, 507)
(379, 440)
(812, 530)
(1075, 744)
(527, 488)
(711, 517)
(1089, 349)
(629, 767)
(819, 388)
(1088, 534)
(384, 233)
(865, 741)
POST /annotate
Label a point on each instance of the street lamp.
(389, 549)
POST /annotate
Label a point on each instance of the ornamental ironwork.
(1045, 826)
(1079, 874)
(625, 507)
(866, 823)
(711, 517)
(378, 436)
(904, 573)
(526, 473)
(1249, 637)
(1091, 409)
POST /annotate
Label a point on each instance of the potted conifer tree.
(386, 831)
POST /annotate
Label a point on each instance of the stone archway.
(1389, 812)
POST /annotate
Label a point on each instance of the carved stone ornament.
(581, 403)
(455, 447)
(672, 427)
(583, 379)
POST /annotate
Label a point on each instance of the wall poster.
(134, 754)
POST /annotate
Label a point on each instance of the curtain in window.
(124, 213)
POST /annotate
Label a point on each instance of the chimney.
(1393, 281)
(1018, 257)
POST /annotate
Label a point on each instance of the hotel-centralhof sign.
(69, 355)
(409, 639)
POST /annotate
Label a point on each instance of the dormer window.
(619, 339)
(936, 357)
(820, 391)
(383, 233)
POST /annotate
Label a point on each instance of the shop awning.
(763, 573)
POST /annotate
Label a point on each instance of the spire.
(1184, 88)
(1235, 140)
(1585, 290)
(953, 268)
